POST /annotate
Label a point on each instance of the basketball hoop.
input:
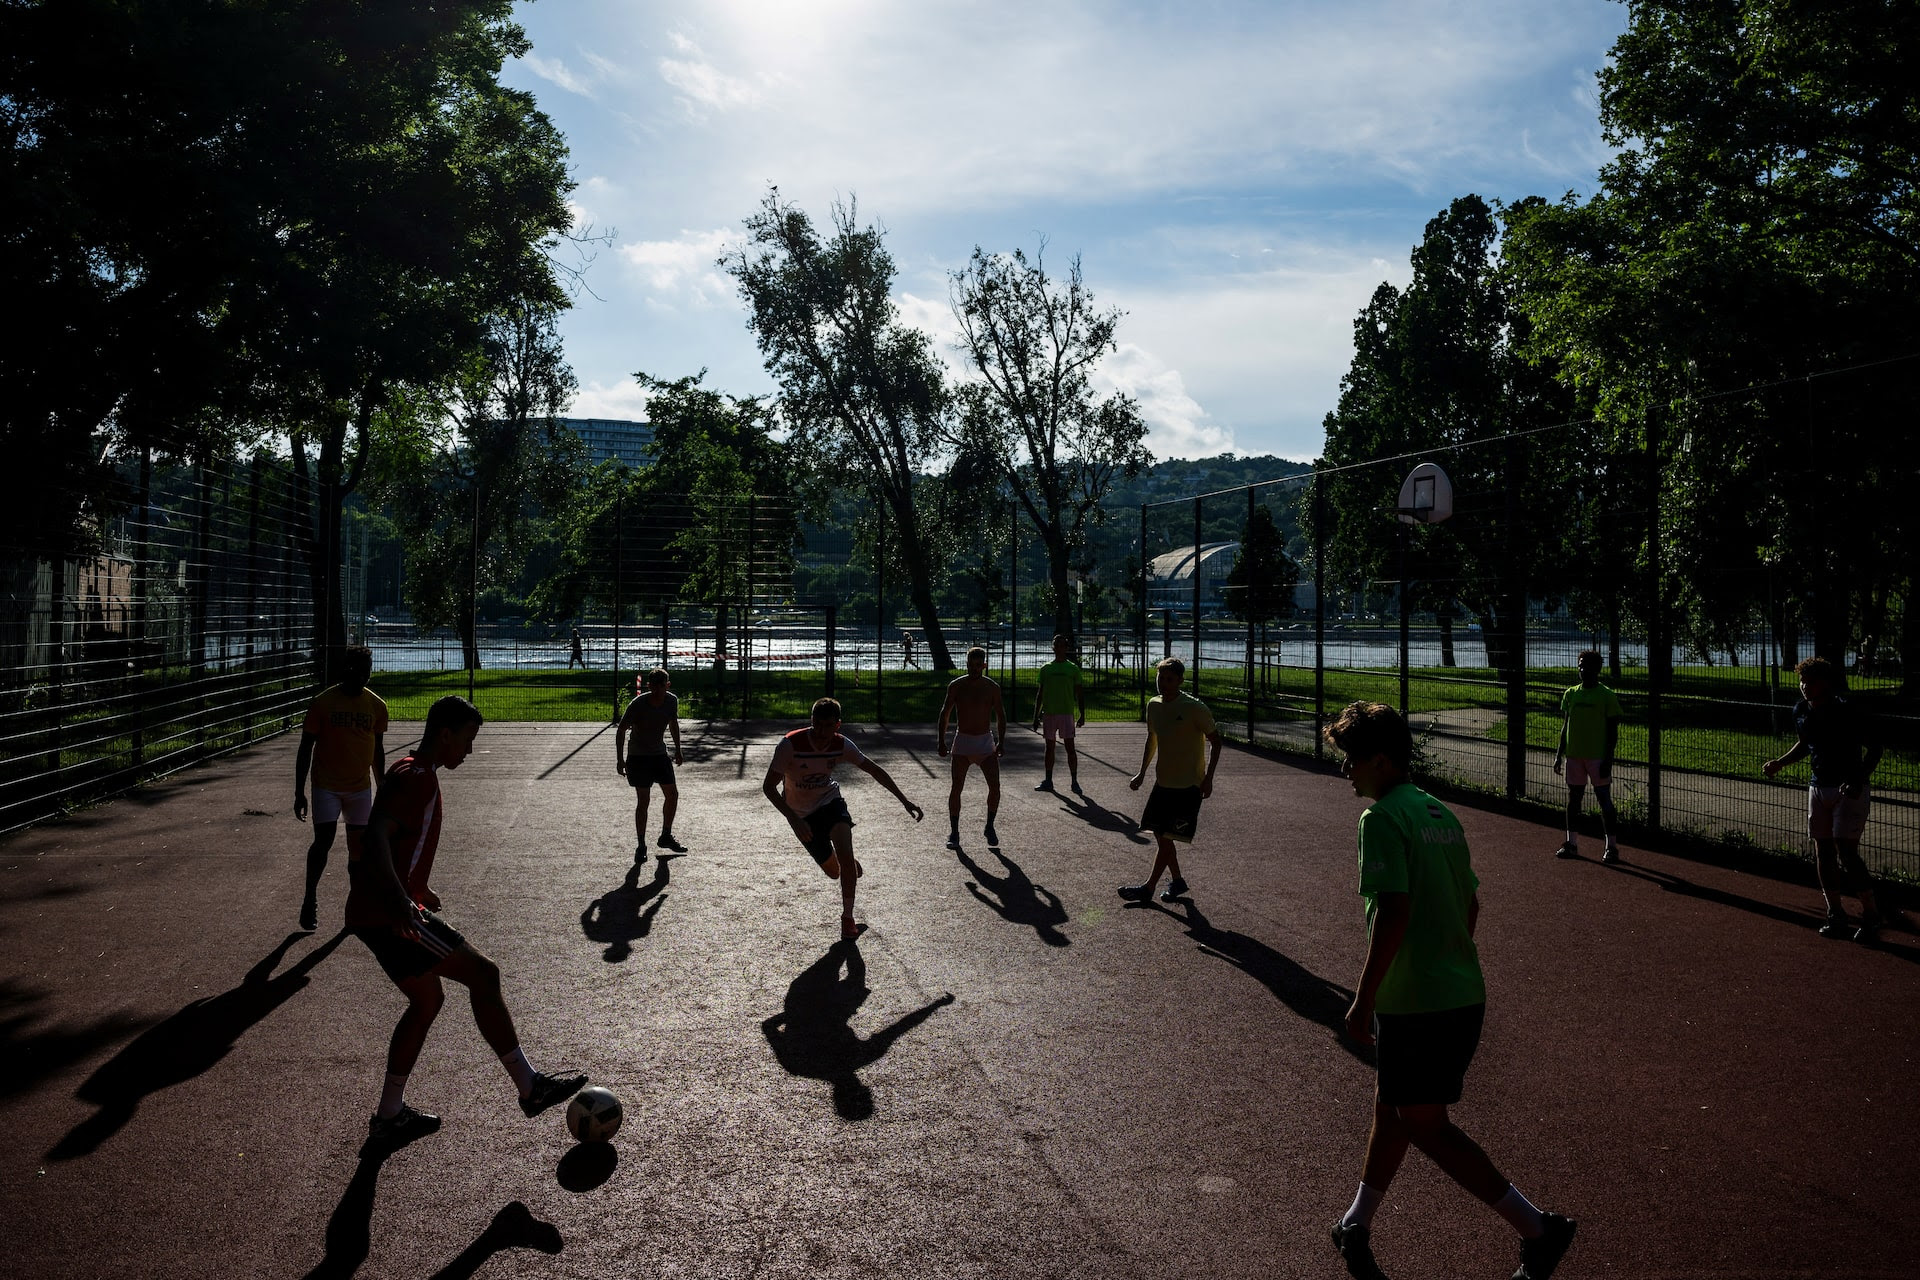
(1427, 495)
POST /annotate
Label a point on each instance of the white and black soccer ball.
(594, 1115)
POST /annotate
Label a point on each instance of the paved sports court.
(1012, 1075)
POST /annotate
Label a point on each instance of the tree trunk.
(920, 583)
(720, 638)
(1060, 579)
(1613, 638)
(1444, 616)
(1909, 644)
(1833, 617)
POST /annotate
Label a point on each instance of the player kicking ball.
(1421, 997)
(802, 768)
(1180, 728)
(391, 908)
(974, 704)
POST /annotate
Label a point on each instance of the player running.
(974, 702)
(1590, 717)
(644, 764)
(1181, 727)
(812, 804)
(1421, 997)
(392, 909)
(343, 744)
(1839, 737)
(1053, 705)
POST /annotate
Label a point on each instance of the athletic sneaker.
(1176, 890)
(1868, 933)
(953, 840)
(548, 1090)
(401, 1128)
(1356, 1248)
(1838, 927)
(1136, 892)
(1567, 850)
(639, 853)
(993, 837)
(1539, 1257)
(1610, 855)
(1076, 788)
(666, 841)
(309, 915)
(1046, 784)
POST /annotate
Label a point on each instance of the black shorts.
(1173, 812)
(1423, 1057)
(645, 771)
(820, 824)
(404, 957)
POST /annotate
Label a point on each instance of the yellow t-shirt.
(1179, 729)
(344, 728)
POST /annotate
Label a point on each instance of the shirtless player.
(974, 702)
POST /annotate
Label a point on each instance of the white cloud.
(556, 72)
(625, 400)
(684, 268)
(1177, 427)
(703, 87)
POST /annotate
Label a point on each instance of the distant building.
(612, 439)
(1170, 576)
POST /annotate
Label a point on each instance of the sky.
(1236, 177)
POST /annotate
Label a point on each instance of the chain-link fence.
(1472, 626)
(180, 629)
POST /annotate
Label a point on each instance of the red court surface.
(1014, 1075)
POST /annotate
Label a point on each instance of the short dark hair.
(1174, 665)
(826, 711)
(1063, 639)
(1819, 669)
(976, 652)
(657, 675)
(356, 663)
(451, 712)
(1368, 729)
(1581, 657)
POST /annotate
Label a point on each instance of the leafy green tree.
(1261, 583)
(861, 392)
(1034, 343)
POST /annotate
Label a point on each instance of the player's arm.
(1215, 741)
(379, 755)
(673, 725)
(1146, 758)
(1613, 742)
(1473, 913)
(1795, 753)
(302, 764)
(1871, 750)
(885, 779)
(1391, 913)
(1080, 696)
(620, 741)
(770, 788)
(1000, 712)
(1560, 749)
(946, 708)
(376, 855)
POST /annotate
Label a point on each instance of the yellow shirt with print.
(344, 727)
(1179, 730)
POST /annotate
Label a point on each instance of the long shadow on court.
(1101, 818)
(1021, 900)
(1300, 989)
(626, 914)
(185, 1045)
(811, 1038)
(29, 1053)
(349, 1236)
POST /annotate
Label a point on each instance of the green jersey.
(1586, 711)
(1411, 843)
(1058, 679)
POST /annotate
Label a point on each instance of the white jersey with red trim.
(808, 769)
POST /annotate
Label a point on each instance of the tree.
(1034, 343)
(861, 392)
(472, 482)
(1261, 583)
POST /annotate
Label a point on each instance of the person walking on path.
(1060, 691)
(343, 744)
(800, 784)
(979, 737)
(576, 653)
(1845, 749)
(393, 909)
(1181, 728)
(906, 651)
(643, 762)
(1421, 997)
(1590, 717)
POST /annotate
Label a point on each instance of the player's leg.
(847, 869)
(960, 765)
(394, 1122)
(1603, 794)
(1163, 855)
(1386, 1150)
(1833, 884)
(1861, 880)
(990, 767)
(642, 797)
(323, 833)
(1073, 764)
(481, 977)
(1046, 777)
(1576, 803)
(1544, 1237)
(669, 806)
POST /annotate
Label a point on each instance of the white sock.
(1361, 1214)
(515, 1061)
(390, 1095)
(1519, 1211)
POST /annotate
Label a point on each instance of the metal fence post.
(880, 619)
(1656, 622)
(1195, 675)
(1140, 668)
(619, 573)
(1013, 602)
(1246, 620)
(1406, 536)
(746, 615)
(832, 630)
(1516, 585)
(1319, 616)
(473, 595)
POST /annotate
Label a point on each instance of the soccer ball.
(594, 1115)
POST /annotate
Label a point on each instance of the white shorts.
(331, 806)
(1057, 726)
(973, 746)
(1832, 816)
(1587, 773)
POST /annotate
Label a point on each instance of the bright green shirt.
(1586, 712)
(1057, 682)
(1411, 843)
(1180, 729)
